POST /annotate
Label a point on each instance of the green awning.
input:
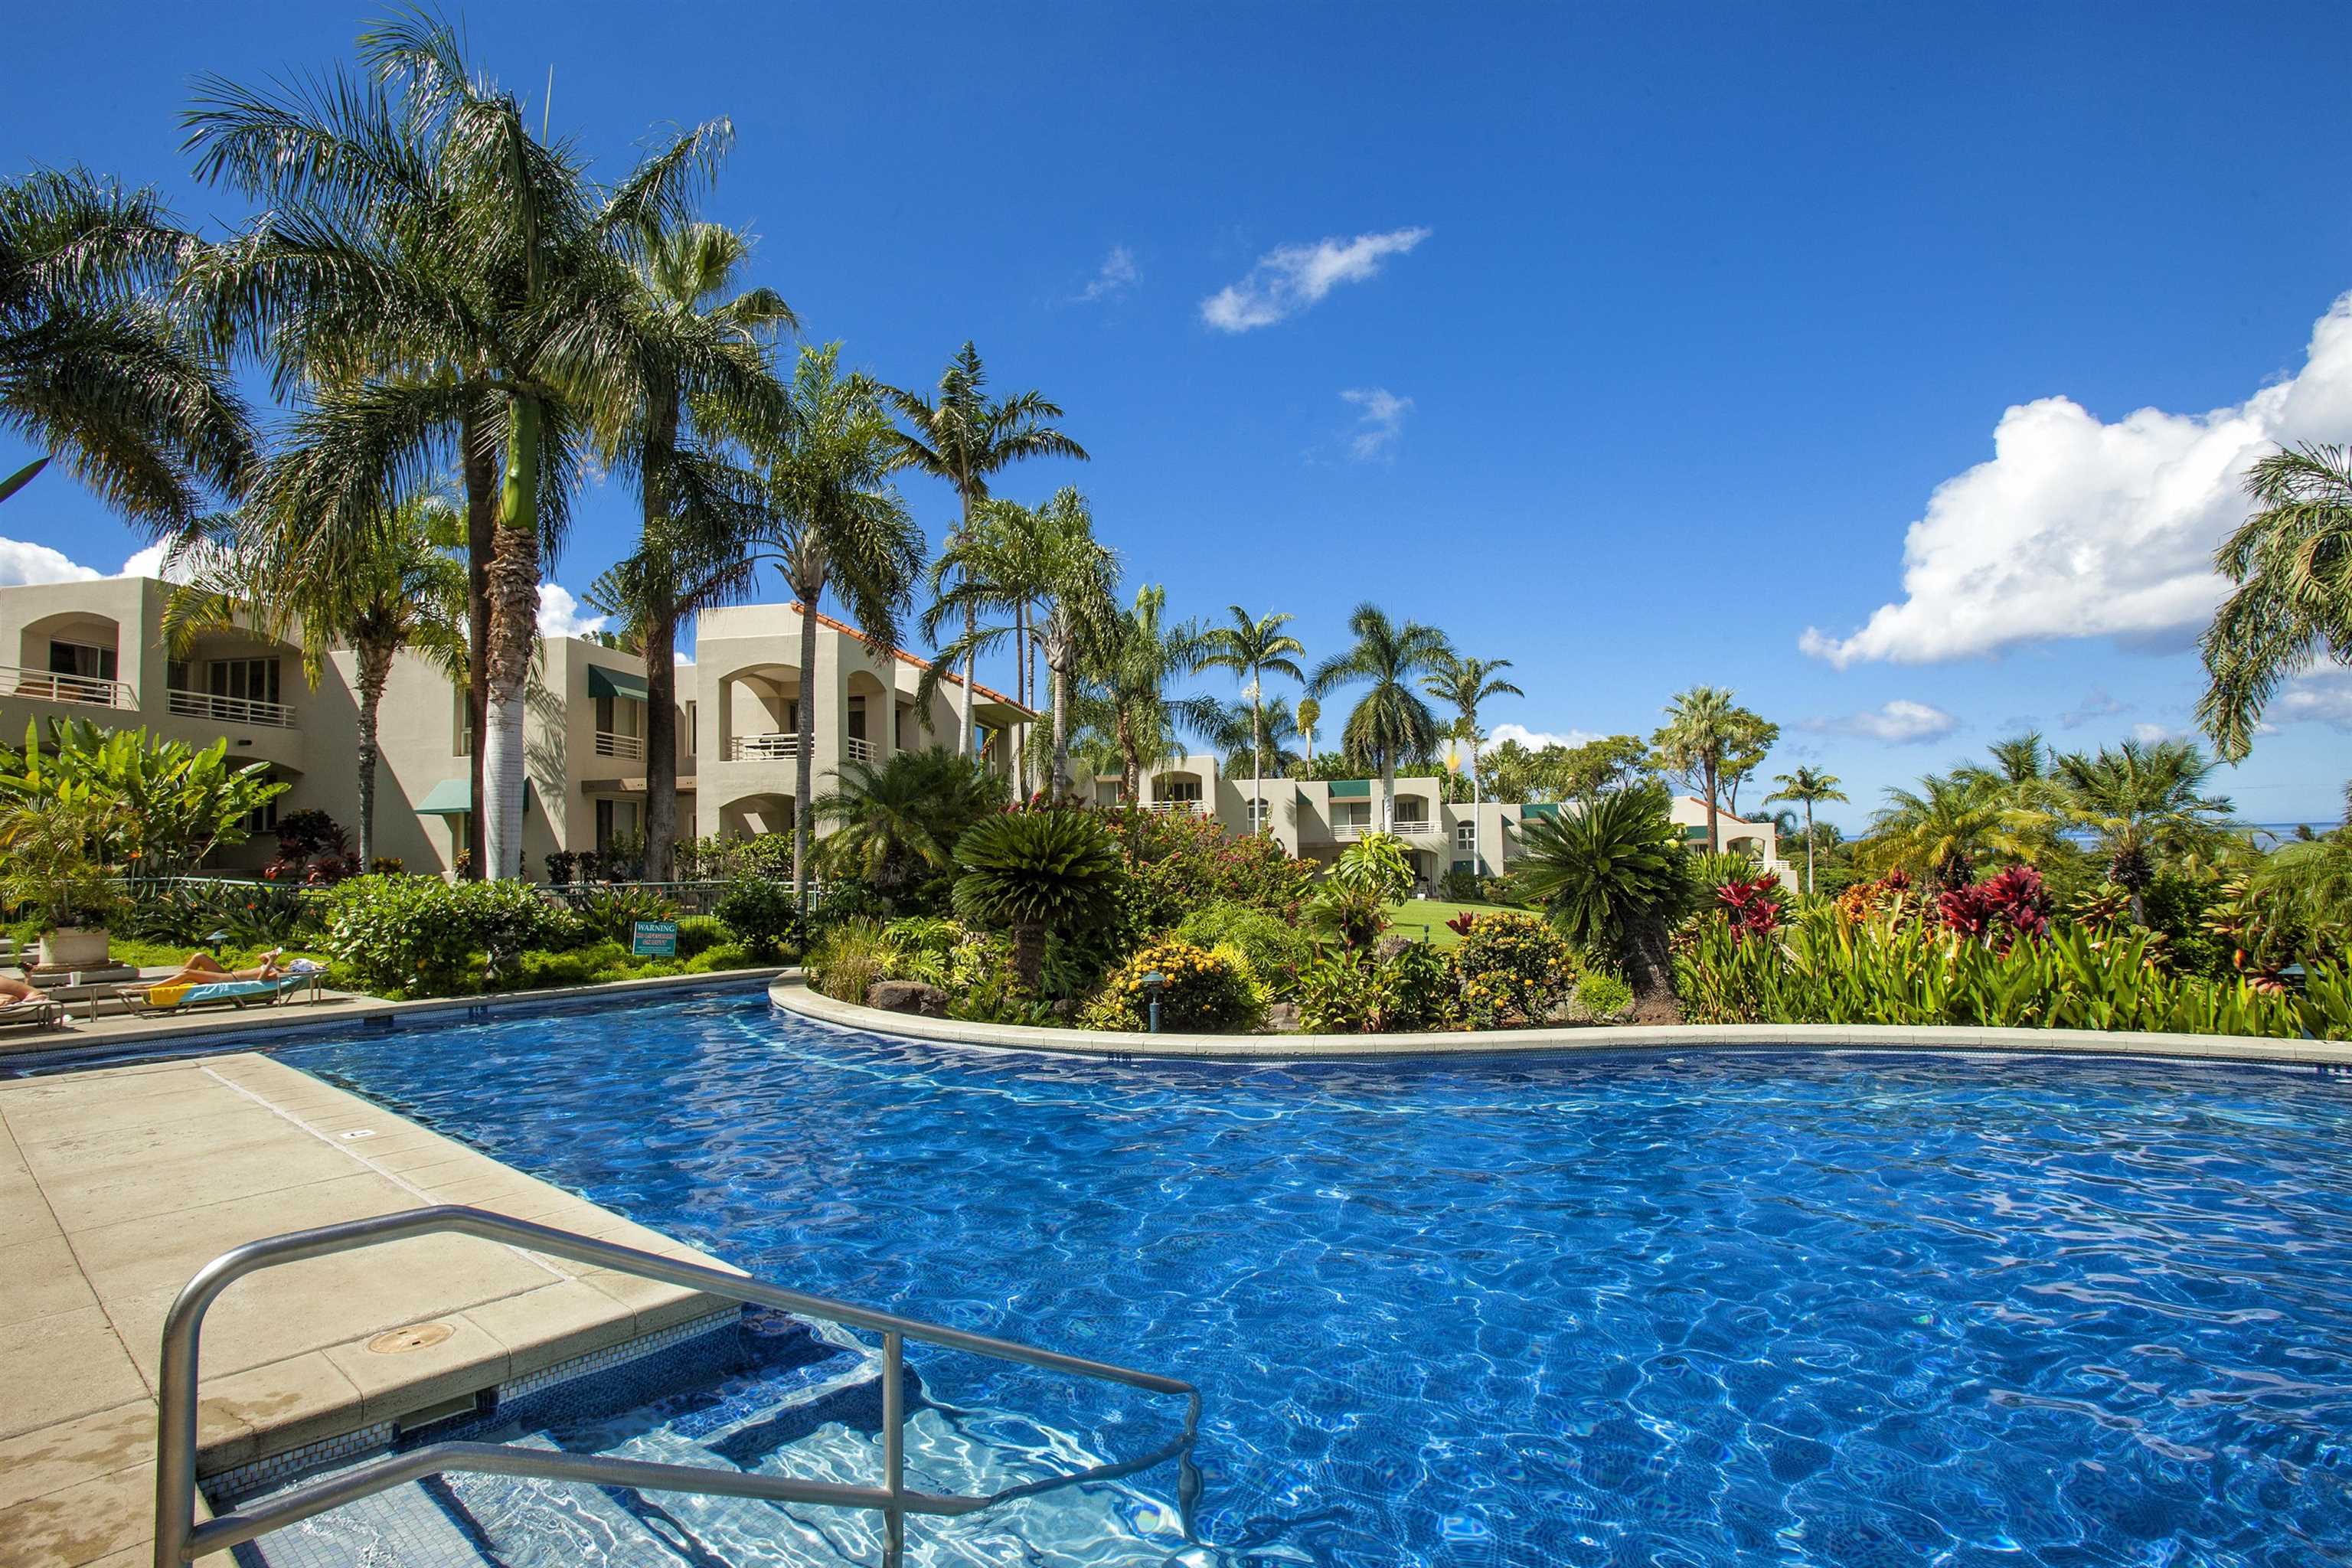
(604, 683)
(1540, 808)
(1351, 789)
(455, 797)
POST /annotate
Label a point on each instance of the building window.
(1258, 812)
(1411, 812)
(1179, 789)
(1354, 814)
(1465, 835)
(693, 735)
(461, 725)
(82, 659)
(245, 680)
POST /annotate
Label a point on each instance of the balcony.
(50, 687)
(627, 747)
(1403, 828)
(776, 746)
(1174, 808)
(228, 709)
(856, 749)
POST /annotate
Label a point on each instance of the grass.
(1408, 917)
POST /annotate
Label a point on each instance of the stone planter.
(74, 947)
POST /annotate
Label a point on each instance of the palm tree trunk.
(971, 636)
(1714, 839)
(1029, 954)
(514, 632)
(803, 786)
(1021, 694)
(374, 670)
(1809, 847)
(1388, 794)
(661, 741)
(1061, 675)
(1257, 764)
(480, 462)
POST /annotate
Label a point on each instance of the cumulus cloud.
(21, 562)
(155, 562)
(1381, 422)
(1113, 279)
(1291, 277)
(1898, 723)
(2322, 695)
(2150, 734)
(560, 616)
(2080, 528)
(1537, 740)
(2098, 704)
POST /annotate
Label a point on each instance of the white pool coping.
(790, 992)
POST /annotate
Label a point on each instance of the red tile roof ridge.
(847, 630)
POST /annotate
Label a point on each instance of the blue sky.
(1628, 344)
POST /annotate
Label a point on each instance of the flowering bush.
(1513, 965)
(1752, 905)
(1277, 950)
(1177, 864)
(1891, 898)
(2000, 910)
(1202, 990)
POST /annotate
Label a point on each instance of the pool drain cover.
(417, 1337)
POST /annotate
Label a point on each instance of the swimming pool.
(1693, 1310)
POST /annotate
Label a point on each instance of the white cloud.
(2150, 734)
(1290, 278)
(560, 616)
(1898, 723)
(1537, 740)
(2080, 528)
(2322, 695)
(1113, 277)
(1379, 423)
(23, 563)
(2098, 704)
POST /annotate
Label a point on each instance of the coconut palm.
(898, 821)
(1706, 733)
(1465, 684)
(1389, 722)
(1309, 714)
(1949, 827)
(2142, 801)
(1140, 657)
(432, 276)
(1806, 787)
(838, 524)
(92, 364)
(1612, 875)
(1254, 647)
(964, 437)
(407, 594)
(2292, 563)
(1037, 872)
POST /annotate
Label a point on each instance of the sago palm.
(964, 437)
(1389, 722)
(1612, 875)
(2292, 563)
(1806, 787)
(1254, 647)
(895, 821)
(1037, 872)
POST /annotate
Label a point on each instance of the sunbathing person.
(204, 969)
(14, 991)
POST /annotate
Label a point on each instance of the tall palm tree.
(92, 364)
(2142, 800)
(405, 594)
(1806, 787)
(1141, 656)
(840, 525)
(1044, 567)
(1390, 721)
(1254, 648)
(430, 274)
(1309, 714)
(1946, 829)
(964, 437)
(1465, 683)
(696, 519)
(2292, 562)
(1702, 729)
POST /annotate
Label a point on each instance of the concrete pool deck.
(117, 1185)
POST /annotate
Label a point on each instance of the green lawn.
(1408, 917)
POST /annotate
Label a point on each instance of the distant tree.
(1713, 744)
(1141, 658)
(2292, 563)
(1254, 647)
(1389, 722)
(1949, 827)
(2142, 800)
(1806, 786)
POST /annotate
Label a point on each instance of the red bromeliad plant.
(1752, 905)
(1460, 924)
(1998, 911)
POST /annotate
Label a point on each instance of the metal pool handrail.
(179, 1539)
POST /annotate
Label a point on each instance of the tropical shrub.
(1603, 997)
(1201, 991)
(1751, 906)
(1277, 950)
(1460, 886)
(1892, 898)
(849, 958)
(1513, 966)
(1179, 864)
(896, 825)
(1354, 992)
(188, 910)
(562, 865)
(1613, 877)
(608, 913)
(698, 934)
(763, 915)
(51, 871)
(313, 849)
(418, 935)
(1353, 917)
(166, 805)
(1037, 872)
(1998, 910)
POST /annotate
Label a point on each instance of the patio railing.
(776, 746)
(613, 743)
(228, 709)
(50, 686)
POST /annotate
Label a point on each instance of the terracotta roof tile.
(845, 629)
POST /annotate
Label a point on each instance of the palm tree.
(1390, 721)
(407, 594)
(1141, 656)
(1465, 683)
(1046, 567)
(2142, 801)
(2292, 562)
(1037, 872)
(1310, 714)
(93, 365)
(963, 436)
(697, 518)
(1949, 827)
(1704, 728)
(1612, 875)
(1254, 648)
(1806, 786)
(839, 525)
(895, 821)
(428, 271)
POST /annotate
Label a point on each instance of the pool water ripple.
(1700, 1309)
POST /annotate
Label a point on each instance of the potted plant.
(55, 870)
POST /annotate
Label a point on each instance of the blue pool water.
(1708, 1309)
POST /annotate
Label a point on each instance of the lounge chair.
(187, 996)
(38, 1014)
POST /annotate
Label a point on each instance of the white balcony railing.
(613, 743)
(1403, 828)
(50, 686)
(1412, 828)
(856, 749)
(776, 746)
(1175, 808)
(229, 709)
